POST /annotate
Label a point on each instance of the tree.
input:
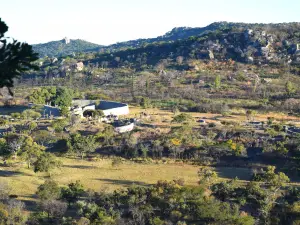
(266, 195)
(46, 162)
(207, 175)
(107, 135)
(3, 122)
(83, 221)
(64, 111)
(32, 125)
(290, 89)
(72, 192)
(82, 144)
(281, 149)
(15, 59)
(59, 125)
(64, 97)
(16, 215)
(145, 102)
(14, 145)
(15, 115)
(48, 190)
(42, 95)
(3, 214)
(30, 151)
(42, 137)
(54, 208)
(217, 82)
(175, 110)
(30, 114)
(5, 189)
(179, 60)
(224, 190)
(4, 148)
(275, 181)
(237, 148)
(250, 114)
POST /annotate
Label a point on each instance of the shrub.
(183, 117)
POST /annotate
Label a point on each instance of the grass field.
(101, 175)
(97, 175)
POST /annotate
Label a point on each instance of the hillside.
(177, 33)
(247, 43)
(64, 47)
(221, 40)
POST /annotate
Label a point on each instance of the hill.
(221, 40)
(247, 43)
(64, 47)
(177, 33)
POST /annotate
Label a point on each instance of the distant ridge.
(60, 48)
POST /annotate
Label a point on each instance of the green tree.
(15, 59)
(64, 111)
(224, 190)
(82, 144)
(217, 82)
(64, 97)
(207, 175)
(30, 114)
(30, 151)
(15, 115)
(59, 125)
(107, 135)
(281, 149)
(48, 190)
(290, 89)
(72, 192)
(32, 125)
(145, 102)
(42, 95)
(4, 148)
(46, 162)
(42, 137)
(3, 122)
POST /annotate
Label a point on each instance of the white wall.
(124, 129)
(124, 110)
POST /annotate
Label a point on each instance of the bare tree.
(14, 146)
(15, 211)
(4, 190)
(54, 208)
(179, 60)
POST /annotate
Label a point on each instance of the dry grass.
(210, 117)
(97, 175)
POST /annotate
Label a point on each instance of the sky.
(110, 21)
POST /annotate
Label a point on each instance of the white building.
(107, 107)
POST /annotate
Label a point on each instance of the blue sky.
(109, 21)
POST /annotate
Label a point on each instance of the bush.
(30, 114)
(15, 115)
(183, 117)
(3, 122)
(212, 125)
